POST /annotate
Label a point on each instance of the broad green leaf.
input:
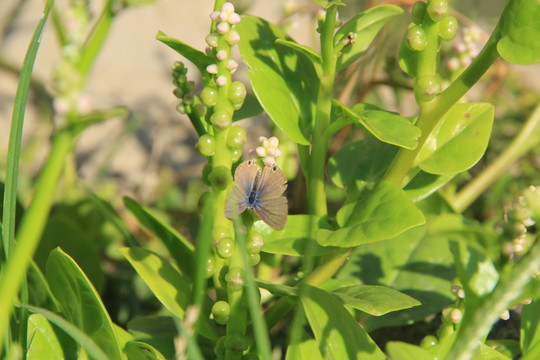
(158, 331)
(39, 292)
(360, 164)
(388, 127)
(80, 302)
(508, 347)
(530, 326)
(402, 351)
(383, 214)
(142, 351)
(458, 141)
(42, 340)
(305, 349)
(304, 50)
(83, 339)
(198, 58)
(277, 289)
(520, 32)
(168, 284)
(338, 334)
(296, 238)
(374, 299)
(425, 184)
(285, 82)
(417, 262)
(180, 248)
(327, 3)
(366, 25)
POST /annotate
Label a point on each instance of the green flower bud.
(221, 311)
(418, 11)
(206, 145)
(199, 109)
(178, 92)
(219, 232)
(220, 177)
(209, 96)
(254, 259)
(254, 242)
(236, 138)
(219, 348)
(438, 9)
(448, 28)
(429, 341)
(426, 87)
(210, 267)
(416, 38)
(236, 343)
(207, 169)
(235, 279)
(203, 199)
(221, 119)
(188, 100)
(236, 154)
(225, 247)
(180, 108)
(237, 92)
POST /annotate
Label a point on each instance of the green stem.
(32, 225)
(433, 111)
(317, 161)
(527, 139)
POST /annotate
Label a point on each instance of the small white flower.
(234, 19)
(223, 27)
(232, 65)
(221, 55)
(221, 80)
(212, 69)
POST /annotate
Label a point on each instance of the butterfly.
(260, 190)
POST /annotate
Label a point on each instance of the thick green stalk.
(527, 139)
(433, 111)
(317, 161)
(32, 225)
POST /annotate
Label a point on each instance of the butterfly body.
(260, 190)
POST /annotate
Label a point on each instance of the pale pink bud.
(234, 19)
(223, 27)
(269, 161)
(221, 80)
(223, 16)
(214, 16)
(232, 37)
(227, 8)
(274, 141)
(321, 15)
(212, 69)
(260, 151)
(232, 65)
(212, 39)
(221, 55)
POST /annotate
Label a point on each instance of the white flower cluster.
(268, 150)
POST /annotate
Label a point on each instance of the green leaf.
(425, 184)
(338, 334)
(360, 164)
(198, 58)
(140, 350)
(388, 127)
(297, 236)
(80, 302)
(249, 109)
(285, 82)
(180, 248)
(374, 299)
(530, 326)
(158, 331)
(305, 349)
(417, 262)
(327, 3)
(305, 50)
(520, 32)
(458, 141)
(86, 342)
(170, 286)
(402, 351)
(277, 289)
(43, 342)
(366, 25)
(383, 214)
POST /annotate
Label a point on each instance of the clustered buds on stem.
(268, 150)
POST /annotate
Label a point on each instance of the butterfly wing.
(244, 177)
(271, 205)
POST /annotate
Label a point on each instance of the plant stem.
(32, 225)
(317, 161)
(527, 139)
(433, 111)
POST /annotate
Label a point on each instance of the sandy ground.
(133, 69)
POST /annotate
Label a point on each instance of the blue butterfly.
(260, 190)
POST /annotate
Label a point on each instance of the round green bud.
(236, 154)
(438, 9)
(207, 169)
(220, 177)
(416, 38)
(236, 343)
(206, 145)
(210, 267)
(235, 279)
(178, 92)
(418, 11)
(188, 99)
(209, 96)
(254, 259)
(221, 311)
(236, 138)
(448, 28)
(429, 341)
(219, 348)
(221, 119)
(225, 247)
(220, 232)
(237, 92)
(254, 242)
(199, 109)
(426, 87)
(237, 106)
(203, 199)
(180, 108)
